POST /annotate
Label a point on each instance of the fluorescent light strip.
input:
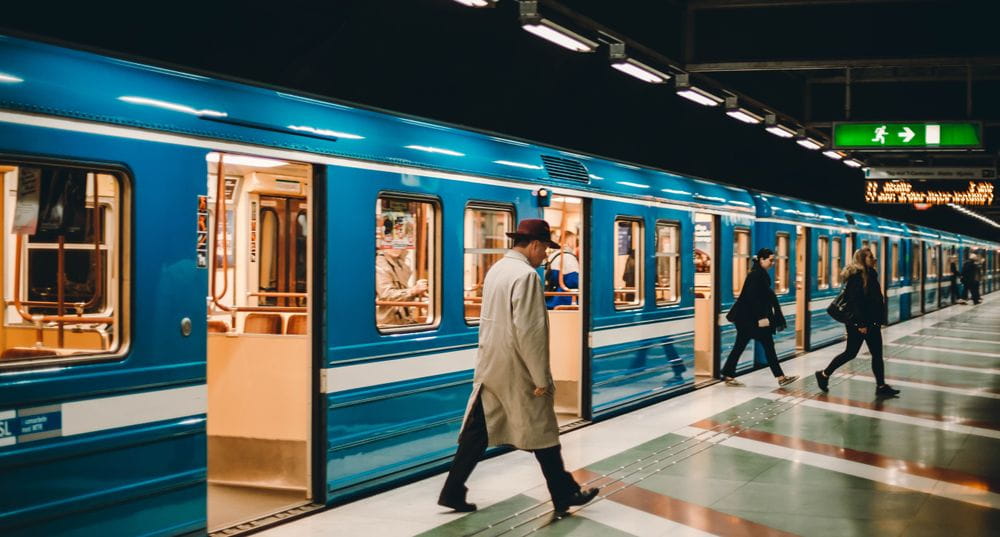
(517, 164)
(974, 214)
(561, 36)
(852, 163)
(835, 155)
(744, 116)
(429, 149)
(641, 71)
(171, 106)
(637, 185)
(473, 3)
(325, 132)
(780, 130)
(10, 79)
(699, 96)
(243, 160)
(809, 143)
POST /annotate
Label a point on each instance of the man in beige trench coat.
(512, 393)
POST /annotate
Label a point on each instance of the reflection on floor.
(757, 460)
(230, 505)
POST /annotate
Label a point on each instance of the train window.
(64, 301)
(486, 242)
(405, 262)
(894, 267)
(741, 258)
(668, 265)
(835, 262)
(628, 263)
(823, 263)
(781, 273)
(918, 258)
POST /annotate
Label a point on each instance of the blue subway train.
(202, 333)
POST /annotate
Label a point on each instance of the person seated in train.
(628, 276)
(757, 315)
(392, 284)
(562, 272)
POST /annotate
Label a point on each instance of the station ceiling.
(905, 60)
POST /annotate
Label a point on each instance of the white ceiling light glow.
(835, 155)
(852, 163)
(243, 160)
(805, 141)
(772, 126)
(734, 111)
(633, 67)
(171, 106)
(696, 94)
(476, 3)
(325, 132)
(532, 22)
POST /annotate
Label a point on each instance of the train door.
(255, 219)
(705, 297)
(918, 276)
(564, 275)
(801, 288)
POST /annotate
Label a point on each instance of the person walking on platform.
(512, 401)
(970, 278)
(866, 314)
(953, 291)
(757, 315)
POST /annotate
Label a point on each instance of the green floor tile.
(951, 518)
(796, 474)
(672, 446)
(959, 378)
(803, 499)
(497, 514)
(984, 411)
(700, 491)
(577, 525)
(942, 357)
(965, 345)
(954, 333)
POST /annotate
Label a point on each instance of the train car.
(202, 333)
(893, 238)
(927, 266)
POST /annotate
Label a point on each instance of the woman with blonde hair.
(866, 314)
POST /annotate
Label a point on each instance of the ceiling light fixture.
(533, 22)
(835, 155)
(734, 111)
(621, 61)
(853, 163)
(694, 93)
(805, 141)
(772, 126)
(477, 3)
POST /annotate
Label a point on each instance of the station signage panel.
(927, 173)
(908, 135)
(888, 191)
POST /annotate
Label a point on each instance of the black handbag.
(838, 308)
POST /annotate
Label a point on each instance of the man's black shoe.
(459, 505)
(579, 497)
(823, 381)
(886, 391)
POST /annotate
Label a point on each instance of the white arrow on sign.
(907, 135)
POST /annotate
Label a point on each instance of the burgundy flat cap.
(534, 229)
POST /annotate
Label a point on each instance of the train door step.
(268, 521)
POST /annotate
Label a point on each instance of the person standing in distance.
(971, 277)
(512, 389)
(866, 317)
(757, 315)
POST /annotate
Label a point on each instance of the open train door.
(706, 299)
(801, 289)
(565, 273)
(262, 373)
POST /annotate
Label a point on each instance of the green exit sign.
(897, 135)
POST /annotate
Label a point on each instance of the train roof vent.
(564, 168)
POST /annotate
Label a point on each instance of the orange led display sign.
(907, 192)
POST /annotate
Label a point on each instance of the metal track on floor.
(267, 521)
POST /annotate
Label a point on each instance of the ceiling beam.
(818, 65)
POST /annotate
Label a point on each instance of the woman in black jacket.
(867, 315)
(757, 315)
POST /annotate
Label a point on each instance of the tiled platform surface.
(759, 461)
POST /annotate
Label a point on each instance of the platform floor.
(758, 461)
